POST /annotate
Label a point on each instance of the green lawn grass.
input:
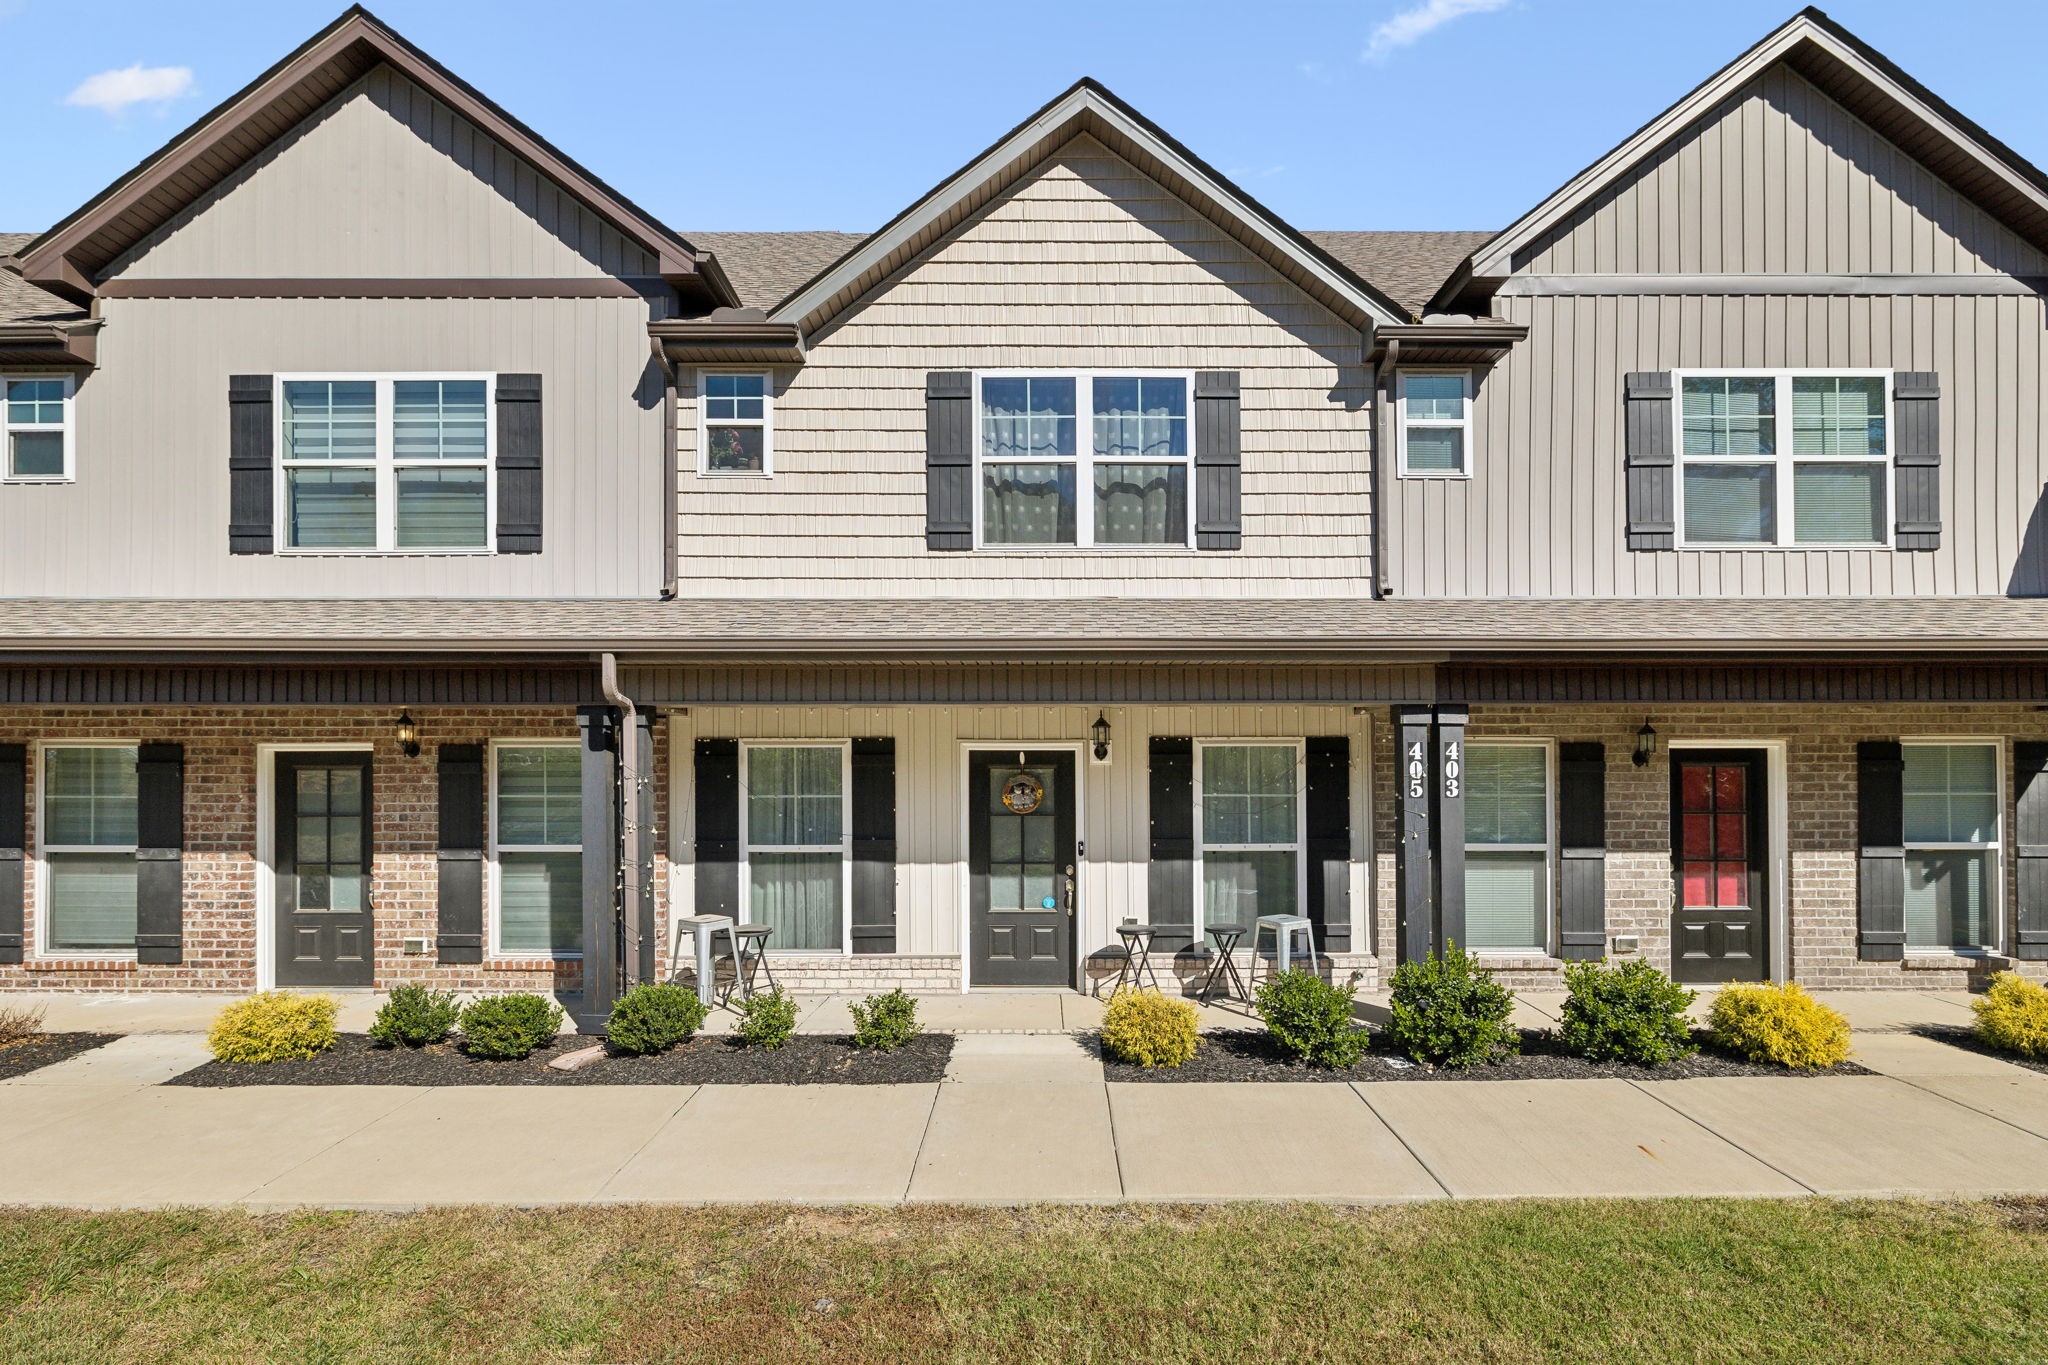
(1642, 1282)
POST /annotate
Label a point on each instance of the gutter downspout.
(671, 568)
(634, 854)
(1384, 436)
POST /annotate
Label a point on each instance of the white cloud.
(1418, 21)
(114, 92)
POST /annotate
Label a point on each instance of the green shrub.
(654, 1018)
(507, 1027)
(1782, 1024)
(884, 1022)
(767, 1018)
(2013, 1015)
(274, 1026)
(414, 1016)
(1147, 1029)
(1311, 1019)
(1449, 1011)
(1630, 1012)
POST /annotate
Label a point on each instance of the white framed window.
(796, 845)
(1249, 814)
(1078, 460)
(1509, 857)
(735, 423)
(1954, 811)
(537, 849)
(85, 837)
(1783, 458)
(1434, 414)
(35, 424)
(386, 463)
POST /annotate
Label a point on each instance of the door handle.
(1070, 891)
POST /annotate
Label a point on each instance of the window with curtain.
(794, 805)
(539, 848)
(1743, 483)
(1085, 460)
(1435, 422)
(1250, 833)
(1952, 842)
(88, 845)
(735, 423)
(35, 420)
(1507, 848)
(401, 464)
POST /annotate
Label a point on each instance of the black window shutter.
(459, 852)
(1647, 400)
(1916, 460)
(1582, 844)
(1881, 867)
(949, 460)
(718, 827)
(13, 846)
(2030, 840)
(252, 468)
(1328, 760)
(1170, 880)
(160, 853)
(519, 473)
(874, 845)
(1219, 474)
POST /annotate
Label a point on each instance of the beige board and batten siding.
(931, 798)
(1085, 264)
(1778, 180)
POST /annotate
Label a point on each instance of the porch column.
(599, 730)
(1450, 825)
(637, 839)
(1414, 881)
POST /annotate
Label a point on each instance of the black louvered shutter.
(949, 460)
(1582, 847)
(252, 466)
(1219, 473)
(1328, 799)
(1647, 400)
(1916, 460)
(718, 827)
(1881, 864)
(459, 854)
(874, 845)
(2030, 841)
(519, 464)
(1170, 879)
(160, 853)
(13, 847)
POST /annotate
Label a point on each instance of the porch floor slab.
(1873, 1011)
(1022, 1059)
(1911, 1057)
(1018, 1143)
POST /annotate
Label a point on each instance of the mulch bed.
(1249, 1055)
(32, 1054)
(1960, 1035)
(807, 1059)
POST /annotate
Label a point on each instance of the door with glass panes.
(1021, 867)
(1717, 831)
(322, 867)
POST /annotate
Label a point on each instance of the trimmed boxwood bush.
(1782, 1024)
(414, 1017)
(2013, 1015)
(884, 1022)
(1629, 1012)
(1145, 1028)
(654, 1018)
(1310, 1019)
(274, 1026)
(507, 1027)
(767, 1018)
(1449, 1011)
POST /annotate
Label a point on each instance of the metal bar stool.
(1137, 963)
(1223, 971)
(1284, 928)
(745, 964)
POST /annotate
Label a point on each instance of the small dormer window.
(1436, 423)
(736, 425)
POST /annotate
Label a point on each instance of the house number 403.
(1454, 770)
(1418, 773)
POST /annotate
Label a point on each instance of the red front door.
(1717, 835)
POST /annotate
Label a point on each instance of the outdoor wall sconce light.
(1099, 732)
(408, 735)
(1646, 744)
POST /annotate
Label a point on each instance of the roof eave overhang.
(62, 345)
(702, 341)
(1480, 342)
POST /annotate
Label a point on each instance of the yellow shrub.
(274, 1026)
(1146, 1028)
(1781, 1024)
(2013, 1015)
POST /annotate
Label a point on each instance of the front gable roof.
(68, 258)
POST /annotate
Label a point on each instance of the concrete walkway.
(1027, 1117)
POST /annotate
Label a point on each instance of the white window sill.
(1782, 549)
(1453, 475)
(1949, 959)
(735, 474)
(382, 554)
(1509, 960)
(39, 478)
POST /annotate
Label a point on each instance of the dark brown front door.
(1718, 856)
(1020, 859)
(323, 870)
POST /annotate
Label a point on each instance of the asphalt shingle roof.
(21, 301)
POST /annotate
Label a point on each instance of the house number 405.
(1418, 773)
(1454, 770)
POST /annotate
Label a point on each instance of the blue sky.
(1371, 114)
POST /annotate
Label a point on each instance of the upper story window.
(398, 463)
(37, 420)
(736, 423)
(1084, 460)
(1435, 418)
(1747, 481)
